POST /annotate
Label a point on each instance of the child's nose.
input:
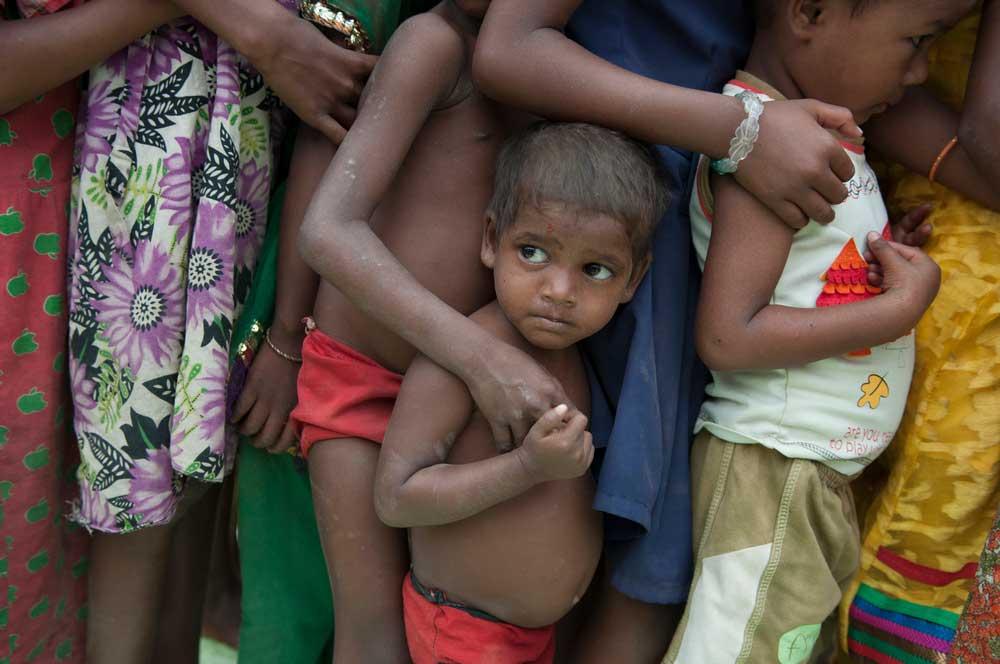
(918, 71)
(558, 288)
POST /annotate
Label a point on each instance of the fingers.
(243, 404)
(816, 208)
(842, 166)
(330, 128)
(253, 423)
(889, 253)
(551, 420)
(837, 118)
(832, 190)
(269, 433)
(502, 437)
(576, 426)
(285, 440)
(791, 215)
(588, 441)
(518, 430)
(912, 220)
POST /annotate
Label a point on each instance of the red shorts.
(439, 631)
(342, 393)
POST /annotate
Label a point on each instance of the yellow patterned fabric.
(929, 514)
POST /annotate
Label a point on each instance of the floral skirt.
(169, 208)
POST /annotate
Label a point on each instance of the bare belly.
(526, 561)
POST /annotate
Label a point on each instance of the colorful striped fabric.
(886, 630)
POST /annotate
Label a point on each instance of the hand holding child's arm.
(797, 168)
(414, 486)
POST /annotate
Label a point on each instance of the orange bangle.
(945, 151)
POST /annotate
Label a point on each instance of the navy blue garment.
(646, 383)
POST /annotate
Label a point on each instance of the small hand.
(558, 447)
(269, 395)
(320, 81)
(797, 168)
(512, 391)
(909, 274)
(909, 230)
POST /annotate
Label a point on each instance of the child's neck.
(766, 63)
(469, 25)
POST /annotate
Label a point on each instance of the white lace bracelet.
(746, 135)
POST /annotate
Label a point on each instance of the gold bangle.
(330, 18)
(945, 151)
(278, 351)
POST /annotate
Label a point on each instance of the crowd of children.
(416, 275)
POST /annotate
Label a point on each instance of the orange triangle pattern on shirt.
(847, 280)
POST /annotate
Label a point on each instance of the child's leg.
(624, 629)
(127, 574)
(366, 559)
(775, 540)
(179, 624)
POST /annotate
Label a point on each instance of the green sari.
(287, 610)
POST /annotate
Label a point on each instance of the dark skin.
(397, 214)
(803, 52)
(486, 528)
(524, 59)
(340, 240)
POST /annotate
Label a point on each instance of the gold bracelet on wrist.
(297, 359)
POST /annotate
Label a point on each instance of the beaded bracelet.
(945, 151)
(291, 358)
(746, 135)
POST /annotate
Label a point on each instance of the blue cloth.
(646, 383)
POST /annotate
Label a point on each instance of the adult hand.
(910, 230)
(261, 412)
(797, 167)
(512, 391)
(319, 80)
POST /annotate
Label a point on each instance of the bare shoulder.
(492, 319)
(428, 36)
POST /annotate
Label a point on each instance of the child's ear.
(804, 16)
(638, 272)
(488, 251)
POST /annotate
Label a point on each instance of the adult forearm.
(446, 493)
(42, 53)
(351, 256)
(248, 25)
(543, 71)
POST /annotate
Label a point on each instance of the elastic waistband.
(318, 341)
(439, 598)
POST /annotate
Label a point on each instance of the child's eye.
(598, 272)
(533, 254)
(920, 41)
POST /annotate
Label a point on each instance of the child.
(811, 361)
(417, 166)
(500, 551)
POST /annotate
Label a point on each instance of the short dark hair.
(583, 166)
(766, 10)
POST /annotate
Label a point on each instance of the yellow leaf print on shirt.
(873, 392)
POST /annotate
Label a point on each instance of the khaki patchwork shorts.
(776, 544)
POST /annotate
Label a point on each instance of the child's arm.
(739, 329)
(317, 79)
(418, 70)
(270, 393)
(45, 52)
(914, 132)
(796, 168)
(415, 487)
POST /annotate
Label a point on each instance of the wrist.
(259, 36)
(532, 472)
(287, 334)
(730, 116)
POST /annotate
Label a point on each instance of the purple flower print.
(227, 78)
(94, 511)
(176, 184)
(251, 212)
(141, 308)
(99, 119)
(210, 264)
(152, 488)
(84, 403)
(165, 51)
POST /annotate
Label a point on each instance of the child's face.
(560, 273)
(864, 61)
